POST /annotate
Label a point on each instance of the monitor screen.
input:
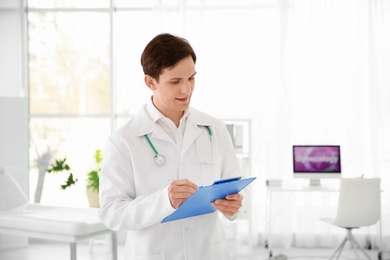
(316, 162)
(316, 159)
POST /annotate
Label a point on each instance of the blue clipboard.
(200, 202)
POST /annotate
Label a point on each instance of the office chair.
(358, 206)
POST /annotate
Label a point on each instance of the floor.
(38, 250)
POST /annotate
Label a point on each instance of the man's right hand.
(180, 190)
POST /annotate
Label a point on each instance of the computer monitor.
(316, 162)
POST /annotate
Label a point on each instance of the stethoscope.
(160, 159)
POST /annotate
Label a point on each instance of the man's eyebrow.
(180, 78)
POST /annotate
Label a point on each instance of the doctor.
(160, 157)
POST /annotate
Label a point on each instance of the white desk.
(269, 212)
(271, 190)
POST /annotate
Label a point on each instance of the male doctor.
(160, 157)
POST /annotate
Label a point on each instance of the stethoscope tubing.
(151, 144)
(160, 159)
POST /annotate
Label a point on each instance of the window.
(74, 104)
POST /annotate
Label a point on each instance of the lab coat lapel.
(160, 134)
(195, 120)
(191, 133)
(144, 125)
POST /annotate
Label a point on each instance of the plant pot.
(93, 198)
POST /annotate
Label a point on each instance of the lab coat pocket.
(205, 148)
(210, 158)
(145, 257)
(212, 171)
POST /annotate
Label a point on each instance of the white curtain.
(304, 72)
(334, 56)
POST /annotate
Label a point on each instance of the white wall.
(14, 138)
(11, 49)
(13, 101)
(14, 150)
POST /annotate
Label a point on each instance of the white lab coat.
(134, 194)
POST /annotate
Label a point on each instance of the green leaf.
(59, 166)
(98, 156)
(93, 175)
(69, 182)
(93, 180)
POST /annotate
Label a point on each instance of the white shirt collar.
(156, 115)
(166, 124)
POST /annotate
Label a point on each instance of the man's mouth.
(182, 99)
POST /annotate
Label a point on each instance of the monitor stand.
(315, 183)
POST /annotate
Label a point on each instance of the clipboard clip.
(227, 180)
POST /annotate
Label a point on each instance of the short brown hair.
(164, 51)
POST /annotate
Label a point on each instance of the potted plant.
(93, 180)
(60, 165)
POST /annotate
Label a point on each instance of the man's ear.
(149, 81)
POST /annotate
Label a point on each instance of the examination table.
(20, 218)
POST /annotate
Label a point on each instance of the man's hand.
(180, 190)
(230, 205)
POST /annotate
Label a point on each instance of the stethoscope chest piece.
(160, 159)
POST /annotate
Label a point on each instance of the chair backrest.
(11, 194)
(359, 202)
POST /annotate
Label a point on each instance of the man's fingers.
(236, 196)
(230, 205)
(180, 190)
(185, 183)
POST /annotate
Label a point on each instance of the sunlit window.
(70, 96)
(69, 63)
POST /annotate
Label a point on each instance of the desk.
(271, 190)
(331, 204)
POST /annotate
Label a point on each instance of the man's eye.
(191, 79)
(175, 82)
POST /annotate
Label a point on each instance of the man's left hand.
(230, 205)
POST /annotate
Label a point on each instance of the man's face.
(172, 93)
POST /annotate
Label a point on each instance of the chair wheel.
(380, 256)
